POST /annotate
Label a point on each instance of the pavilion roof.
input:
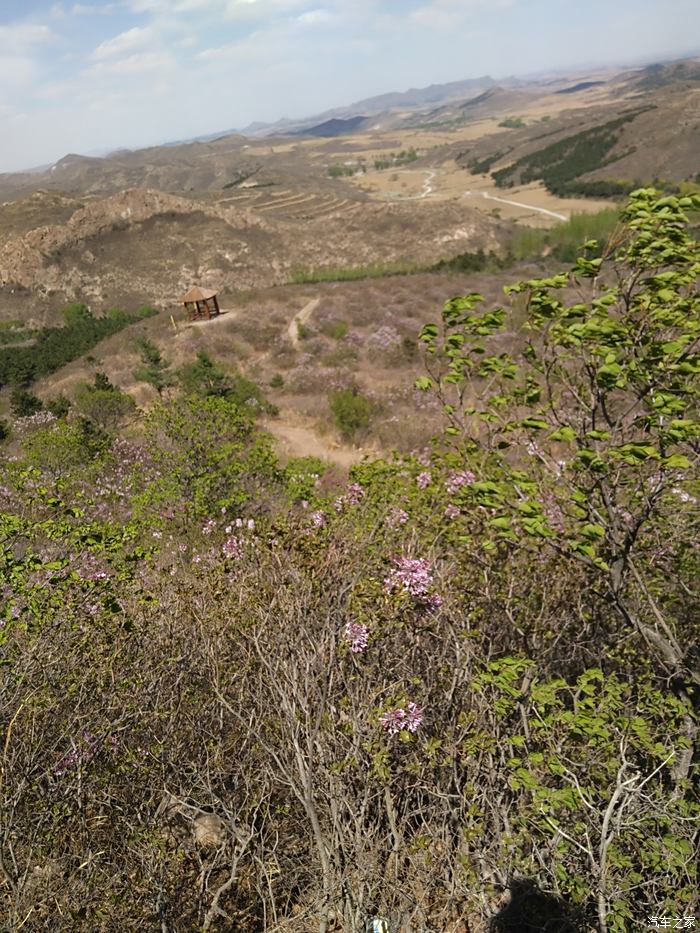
(197, 294)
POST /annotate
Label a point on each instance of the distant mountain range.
(394, 100)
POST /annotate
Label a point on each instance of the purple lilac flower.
(81, 753)
(411, 719)
(39, 419)
(457, 479)
(413, 577)
(354, 495)
(397, 517)
(452, 512)
(232, 548)
(247, 523)
(318, 519)
(358, 636)
(423, 479)
(91, 569)
(384, 338)
(414, 717)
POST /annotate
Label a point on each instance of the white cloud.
(449, 14)
(131, 64)
(316, 17)
(17, 72)
(91, 9)
(23, 35)
(137, 38)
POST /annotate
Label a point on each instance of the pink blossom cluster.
(397, 517)
(452, 512)
(232, 549)
(457, 479)
(40, 419)
(396, 720)
(553, 511)
(81, 753)
(384, 338)
(354, 495)
(354, 338)
(424, 479)
(358, 636)
(90, 568)
(247, 523)
(414, 578)
(129, 466)
(318, 519)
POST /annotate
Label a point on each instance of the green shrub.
(59, 406)
(23, 404)
(106, 407)
(379, 270)
(154, 369)
(335, 329)
(76, 314)
(566, 240)
(53, 347)
(207, 379)
(352, 412)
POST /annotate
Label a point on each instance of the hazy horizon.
(95, 77)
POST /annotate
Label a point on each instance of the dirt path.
(425, 193)
(298, 438)
(428, 184)
(301, 318)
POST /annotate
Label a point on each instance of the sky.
(96, 76)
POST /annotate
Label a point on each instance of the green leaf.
(424, 383)
(677, 462)
(564, 433)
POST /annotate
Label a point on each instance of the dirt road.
(298, 438)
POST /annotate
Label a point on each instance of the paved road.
(529, 207)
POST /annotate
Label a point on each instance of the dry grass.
(252, 337)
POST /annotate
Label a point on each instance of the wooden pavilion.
(201, 304)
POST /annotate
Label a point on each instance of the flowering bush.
(413, 578)
(396, 720)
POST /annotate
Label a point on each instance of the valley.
(366, 602)
(395, 195)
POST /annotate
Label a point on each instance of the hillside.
(371, 601)
(454, 688)
(143, 245)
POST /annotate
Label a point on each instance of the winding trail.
(425, 193)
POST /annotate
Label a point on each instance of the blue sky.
(86, 77)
